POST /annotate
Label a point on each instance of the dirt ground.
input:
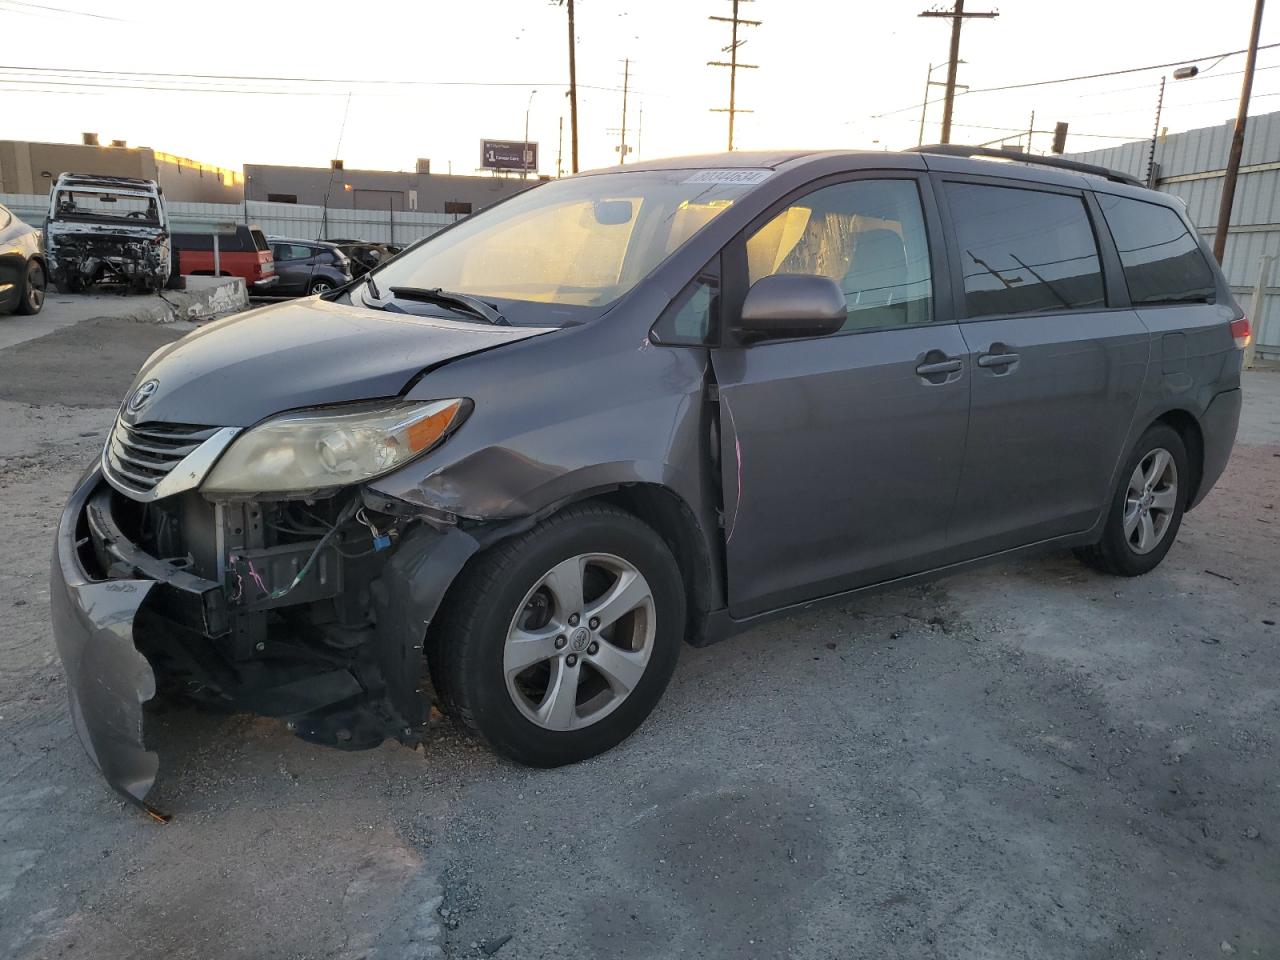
(1028, 760)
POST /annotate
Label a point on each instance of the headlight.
(302, 452)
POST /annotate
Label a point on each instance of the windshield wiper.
(455, 301)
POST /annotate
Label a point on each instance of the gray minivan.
(534, 454)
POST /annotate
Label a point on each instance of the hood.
(238, 371)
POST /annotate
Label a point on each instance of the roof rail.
(960, 150)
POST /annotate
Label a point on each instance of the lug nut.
(594, 623)
(571, 660)
(560, 642)
(573, 619)
(593, 648)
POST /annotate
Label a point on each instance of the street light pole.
(524, 147)
(1237, 139)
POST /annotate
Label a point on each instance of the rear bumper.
(1218, 428)
(266, 283)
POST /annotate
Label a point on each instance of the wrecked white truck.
(107, 230)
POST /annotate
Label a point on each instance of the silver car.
(536, 453)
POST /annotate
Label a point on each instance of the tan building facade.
(29, 167)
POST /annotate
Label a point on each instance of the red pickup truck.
(244, 253)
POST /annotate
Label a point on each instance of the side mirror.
(786, 305)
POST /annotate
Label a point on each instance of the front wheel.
(1147, 507)
(556, 645)
(320, 286)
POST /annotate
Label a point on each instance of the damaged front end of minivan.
(313, 609)
(107, 230)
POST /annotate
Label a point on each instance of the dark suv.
(538, 451)
(308, 266)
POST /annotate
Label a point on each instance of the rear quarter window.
(1162, 260)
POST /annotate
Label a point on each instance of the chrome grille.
(139, 456)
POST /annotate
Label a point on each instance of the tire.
(319, 286)
(1146, 480)
(474, 659)
(35, 283)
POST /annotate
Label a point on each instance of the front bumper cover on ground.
(108, 680)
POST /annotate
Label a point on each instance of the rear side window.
(1162, 261)
(1024, 251)
(259, 240)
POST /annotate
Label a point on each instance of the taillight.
(1242, 332)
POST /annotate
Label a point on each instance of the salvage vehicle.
(110, 230)
(536, 452)
(242, 252)
(23, 274)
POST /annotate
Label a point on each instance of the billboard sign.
(508, 155)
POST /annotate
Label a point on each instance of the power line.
(16, 4)
(1087, 76)
(71, 72)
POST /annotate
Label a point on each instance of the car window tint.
(1024, 251)
(866, 235)
(1162, 260)
(692, 317)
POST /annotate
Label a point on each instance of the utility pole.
(560, 151)
(626, 83)
(733, 65)
(573, 85)
(1031, 129)
(1237, 140)
(640, 130)
(957, 16)
(1155, 134)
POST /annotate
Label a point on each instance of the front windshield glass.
(581, 243)
(96, 206)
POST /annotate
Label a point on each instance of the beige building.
(30, 168)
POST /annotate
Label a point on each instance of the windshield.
(95, 206)
(581, 242)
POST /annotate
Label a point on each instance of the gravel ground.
(1029, 760)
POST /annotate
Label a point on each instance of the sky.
(431, 78)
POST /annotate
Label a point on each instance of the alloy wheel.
(35, 287)
(580, 641)
(1150, 501)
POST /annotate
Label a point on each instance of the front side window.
(1162, 261)
(1024, 251)
(866, 235)
(692, 318)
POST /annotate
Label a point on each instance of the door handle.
(953, 365)
(997, 359)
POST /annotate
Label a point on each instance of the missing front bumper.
(127, 624)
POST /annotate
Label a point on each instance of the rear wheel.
(33, 289)
(556, 645)
(1146, 509)
(320, 286)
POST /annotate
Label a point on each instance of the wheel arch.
(1187, 426)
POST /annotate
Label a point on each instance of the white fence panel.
(276, 219)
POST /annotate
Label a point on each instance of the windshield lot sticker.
(744, 177)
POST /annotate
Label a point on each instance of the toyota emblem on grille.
(143, 395)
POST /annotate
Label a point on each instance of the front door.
(1056, 371)
(841, 454)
